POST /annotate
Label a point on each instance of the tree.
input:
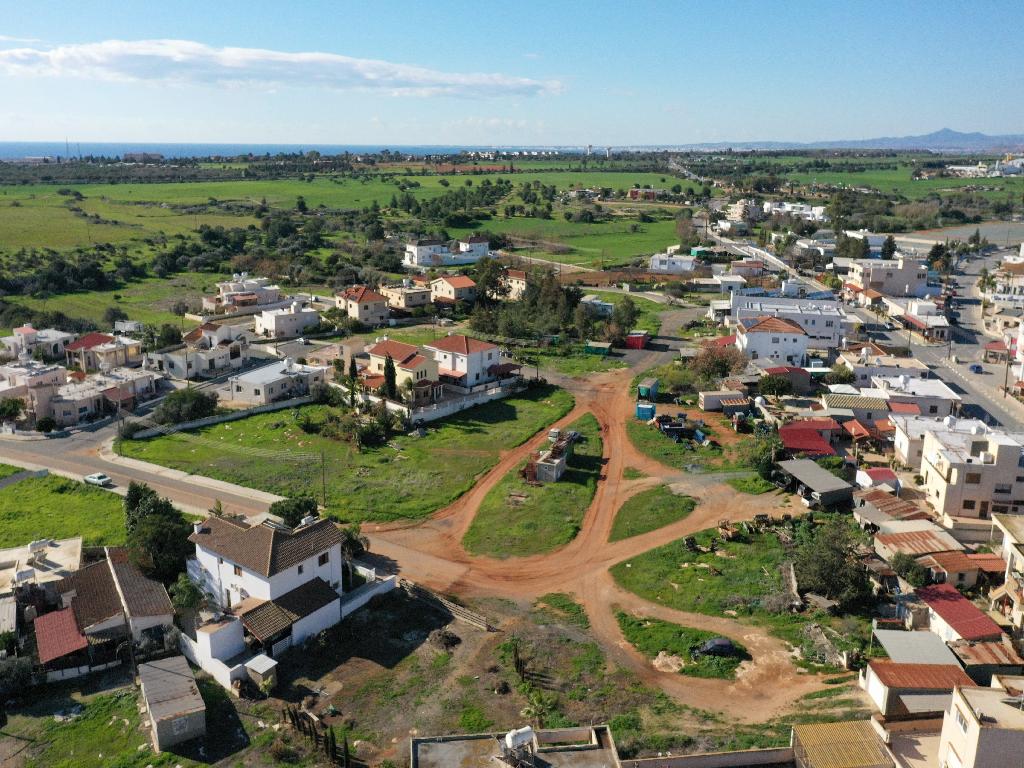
(540, 705)
(775, 386)
(11, 408)
(353, 375)
(353, 545)
(180, 308)
(15, 677)
(713, 363)
(759, 454)
(390, 378)
(491, 284)
(908, 569)
(826, 562)
(625, 314)
(185, 405)
(889, 247)
(160, 545)
(186, 595)
(112, 314)
(292, 511)
(217, 510)
(46, 424)
(839, 374)
(141, 502)
(300, 204)
(167, 336)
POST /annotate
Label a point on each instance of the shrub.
(185, 405)
(46, 424)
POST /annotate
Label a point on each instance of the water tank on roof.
(759, 401)
(950, 421)
(520, 737)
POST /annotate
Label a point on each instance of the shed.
(850, 744)
(733, 405)
(601, 348)
(983, 659)
(712, 400)
(648, 390)
(8, 614)
(176, 709)
(915, 647)
(261, 669)
(825, 487)
(645, 411)
(637, 339)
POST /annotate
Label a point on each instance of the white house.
(865, 366)
(422, 254)
(932, 396)
(772, 338)
(892, 277)
(277, 381)
(241, 292)
(671, 264)
(208, 350)
(464, 361)
(49, 341)
(908, 440)
(286, 321)
(824, 322)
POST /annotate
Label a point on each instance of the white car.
(98, 479)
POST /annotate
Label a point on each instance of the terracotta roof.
(721, 341)
(992, 653)
(397, 349)
(360, 293)
(96, 598)
(458, 281)
(912, 409)
(142, 596)
(988, 563)
(871, 293)
(89, 341)
(516, 274)
(806, 441)
(920, 677)
(995, 346)
(950, 562)
(772, 325)
(816, 424)
(274, 616)
(57, 635)
(966, 619)
(265, 549)
(916, 542)
(462, 345)
(856, 429)
(782, 370)
(881, 474)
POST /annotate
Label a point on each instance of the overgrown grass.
(632, 473)
(650, 510)
(57, 508)
(409, 478)
(518, 519)
(652, 636)
(649, 318)
(562, 607)
(755, 485)
(652, 443)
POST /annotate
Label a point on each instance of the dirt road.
(431, 553)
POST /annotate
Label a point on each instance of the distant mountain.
(946, 140)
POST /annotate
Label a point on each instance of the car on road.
(975, 368)
(99, 479)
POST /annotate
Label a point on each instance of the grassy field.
(651, 442)
(652, 636)
(649, 318)
(408, 478)
(518, 519)
(755, 485)
(900, 182)
(148, 300)
(58, 508)
(650, 510)
(712, 583)
(561, 607)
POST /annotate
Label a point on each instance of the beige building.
(363, 304)
(983, 728)
(415, 369)
(98, 351)
(892, 277)
(515, 282)
(102, 394)
(286, 322)
(176, 710)
(405, 296)
(452, 288)
(1008, 599)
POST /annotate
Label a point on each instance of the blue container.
(645, 411)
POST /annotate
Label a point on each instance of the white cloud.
(184, 61)
(12, 39)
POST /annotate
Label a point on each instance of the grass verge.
(650, 510)
(652, 636)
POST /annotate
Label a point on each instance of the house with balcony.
(99, 351)
(416, 370)
(270, 587)
(286, 322)
(424, 254)
(49, 342)
(464, 362)
(278, 381)
(902, 276)
(34, 383)
(406, 296)
(452, 288)
(242, 292)
(208, 351)
(100, 394)
(1008, 600)
(775, 338)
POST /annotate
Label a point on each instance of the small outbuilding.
(648, 390)
(820, 484)
(602, 348)
(637, 339)
(177, 712)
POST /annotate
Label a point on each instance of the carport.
(829, 490)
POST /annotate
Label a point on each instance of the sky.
(516, 73)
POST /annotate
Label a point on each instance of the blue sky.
(447, 72)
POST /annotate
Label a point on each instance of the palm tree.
(539, 706)
(353, 544)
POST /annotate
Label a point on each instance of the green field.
(408, 478)
(649, 318)
(57, 508)
(900, 182)
(653, 636)
(651, 442)
(650, 510)
(755, 485)
(517, 518)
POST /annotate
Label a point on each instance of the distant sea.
(17, 150)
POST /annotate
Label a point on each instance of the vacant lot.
(650, 510)
(57, 508)
(653, 637)
(408, 478)
(518, 518)
(650, 441)
(649, 318)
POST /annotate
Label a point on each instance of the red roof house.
(58, 635)
(954, 617)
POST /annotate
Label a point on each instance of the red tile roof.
(820, 425)
(459, 344)
(57, 635)
(856, 429)
(360, 293)
(458, 281)
(987, 562)
(995, 346)
(806, 441)
(782, 370)
(772, 325)
(920, 677)
(965, 618)
(852, 288)
(721, 341)
(89, 341)
(398, 350)
(516, 274)
(881, 475)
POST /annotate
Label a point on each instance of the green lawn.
(712, 584)
(650, 510)
(755, 485)
(900, 182)
(58, 508)
(652, 636)
(518, 519)
(649, 318)
(409, 478)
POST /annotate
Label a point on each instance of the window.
(961, 577)
(933, 409)
(322, 560)
(237, 571)
(775, 340)
(301, 569)
(961, 720)
(255, 391)
(969, 504)
(973, 478)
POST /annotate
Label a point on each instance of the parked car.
(716, 646)
(99, 479)
(975, 368)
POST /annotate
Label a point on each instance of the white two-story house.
(463, 361)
